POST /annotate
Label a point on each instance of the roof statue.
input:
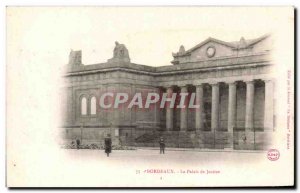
(242, 43)
(181, 49)
(75, 57)
(120, 53)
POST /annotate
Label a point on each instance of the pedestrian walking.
(107, 145)
(77, 143)
(162, 145)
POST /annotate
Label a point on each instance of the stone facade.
(231, 80)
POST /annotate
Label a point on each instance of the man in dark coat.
(77, 143)
(107, 145)
(162, 145)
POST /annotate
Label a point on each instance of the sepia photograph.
(150, 96)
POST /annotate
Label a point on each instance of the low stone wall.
(239, 140)
(90, 135)
(252, 140)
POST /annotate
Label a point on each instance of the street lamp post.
(81, 132)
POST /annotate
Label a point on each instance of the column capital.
(268, 80)
(230, 81)
(215, 83)
(183, 85)
(168, 86)
(249, 81)
(199, 84)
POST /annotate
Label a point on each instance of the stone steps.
(172, 139)
(204, 139)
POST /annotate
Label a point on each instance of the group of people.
(108, 145)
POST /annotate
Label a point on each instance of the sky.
(151, 34)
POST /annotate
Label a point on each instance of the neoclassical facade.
(233, 85)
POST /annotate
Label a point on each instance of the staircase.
(172, 139)
(205, 140)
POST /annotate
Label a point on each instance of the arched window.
(83, 106)
(93, 106)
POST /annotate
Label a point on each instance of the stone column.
(269, 111)
(183, 111)
(249, 105)
(199, 112)
(231, 106)
(215, 107)
(231, 111)
(169, 111)
(157, 112)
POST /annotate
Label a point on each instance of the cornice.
(192, 67)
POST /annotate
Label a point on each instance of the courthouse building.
(232, 82)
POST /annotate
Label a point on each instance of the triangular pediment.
(213, 48)
(210, 48)
(211, 41)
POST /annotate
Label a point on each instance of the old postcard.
(150, 96)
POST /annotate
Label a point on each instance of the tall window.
(83, 106)
(93, 106)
